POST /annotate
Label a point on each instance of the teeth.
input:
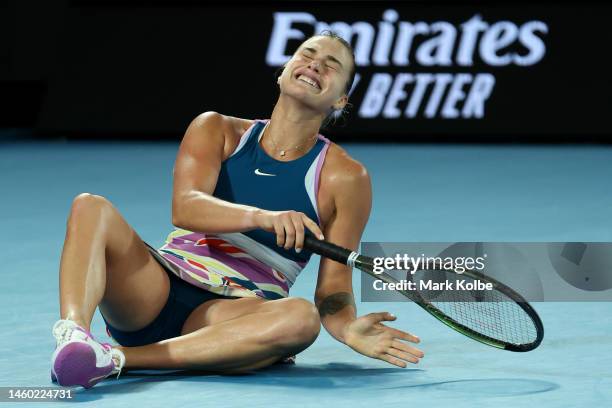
(308, 81)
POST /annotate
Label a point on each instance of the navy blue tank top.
(251, 177)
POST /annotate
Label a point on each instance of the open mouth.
(310, 81)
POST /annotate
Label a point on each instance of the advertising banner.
(439, 72)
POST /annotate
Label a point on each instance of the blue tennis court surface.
(421, 193)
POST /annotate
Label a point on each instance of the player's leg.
(105, 263)
(255, 334)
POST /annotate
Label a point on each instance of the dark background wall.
(427, 71)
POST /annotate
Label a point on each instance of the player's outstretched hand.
(369, 336)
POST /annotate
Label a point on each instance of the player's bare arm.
(347, 188)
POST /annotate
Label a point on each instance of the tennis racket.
(499, 317)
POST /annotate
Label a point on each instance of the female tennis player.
(215, 296)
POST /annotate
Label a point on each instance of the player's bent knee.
(301, 324)
(85, 203)
(87, 207)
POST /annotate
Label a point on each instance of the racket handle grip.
(326, 249)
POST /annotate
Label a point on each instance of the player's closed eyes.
(326, 65)
(309, 57)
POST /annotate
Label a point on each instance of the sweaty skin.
(104, 262)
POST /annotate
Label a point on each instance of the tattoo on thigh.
(332, 304)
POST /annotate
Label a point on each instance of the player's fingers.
(299, 233)
(404, 335)
(381, 316)
(402, 355)
(289, 233)
(384, 316)
(393, 360)
(389, 316)
(396, 344)
(279, 230)
(312, 226)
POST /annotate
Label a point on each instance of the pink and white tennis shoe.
(79, 359)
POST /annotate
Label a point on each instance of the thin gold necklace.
(283, 152)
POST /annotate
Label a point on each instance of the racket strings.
(488, 312)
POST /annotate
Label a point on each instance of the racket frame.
(366, 264)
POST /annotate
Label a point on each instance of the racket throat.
(352, 258)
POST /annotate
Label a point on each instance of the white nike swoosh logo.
(260, 173)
